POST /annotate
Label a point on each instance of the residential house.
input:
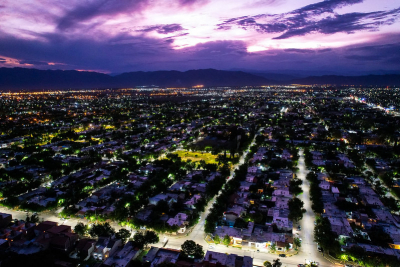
(214, 259)
(105, 247)
(156, 256)
(180, 220)
(122, 257)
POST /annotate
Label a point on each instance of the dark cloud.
(325, 6)
(376, 52)
(365, 58)
(192, 2)
(303, 51)
(324, 50)
(96, 8)
(308, 20)
(128, 53)
(268, 2)
(33, 62)
(348, 23)
(163, 29)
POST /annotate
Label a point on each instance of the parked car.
(282, 255)
(301, 265)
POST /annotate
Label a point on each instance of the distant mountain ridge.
(30, 79)
(22, 78)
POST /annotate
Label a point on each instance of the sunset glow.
(150, 35)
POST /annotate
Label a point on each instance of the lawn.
(197, 156)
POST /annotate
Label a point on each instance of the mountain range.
(30, 79)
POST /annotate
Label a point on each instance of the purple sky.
(114, 36)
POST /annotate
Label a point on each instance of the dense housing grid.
(307, 174)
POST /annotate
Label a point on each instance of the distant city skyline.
(110, 36)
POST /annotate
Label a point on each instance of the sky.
(115, 36)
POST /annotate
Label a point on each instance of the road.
(308, 251)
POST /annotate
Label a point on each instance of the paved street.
(308, 250)
(308, 247)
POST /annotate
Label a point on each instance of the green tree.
(99, 229)
(297, 242)
(123, 234)
(277, 263)
(273, 247)
(227, 240)
(240, 223)
(295, 186)
(324, 236)
(267, 264)
(138, 238)
(80, 229)
(210, 224)
(192, 250)
(150, 237)
(296, 209)
(217, 240)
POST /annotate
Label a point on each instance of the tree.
(80, 229)
(227, 240)
(210, 224)
(295, 186)
(240, 223)
(277, 263)
(138, 238)
(217, 240)
(150, 237)
(324, 236)
(296, 209)
(273, 247)
(104, 229)
(297, 242)
(267, 264)
(123, 234)
(192, 250)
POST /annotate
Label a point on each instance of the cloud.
(33, 62)
(365, 58)
(325, 6)
(186, 3)
(314, 18)
(124, 52)
(96, 8)
(163, 29)
(375, 52)
(303, 51)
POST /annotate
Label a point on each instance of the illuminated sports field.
(197, 156)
